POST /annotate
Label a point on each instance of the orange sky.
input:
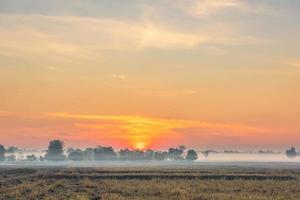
(207, 74)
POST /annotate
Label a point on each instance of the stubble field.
(186, 183)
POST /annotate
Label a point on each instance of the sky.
(210, 74)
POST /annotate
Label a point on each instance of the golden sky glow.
(145, 132)
(205, 73)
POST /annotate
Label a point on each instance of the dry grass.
(185, 184)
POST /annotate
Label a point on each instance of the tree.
(55, 151)
(175, 153)
(2, 153)
(89, 154)
(31, 158)
(191, 155)
(291, 153)
(182, 148)
(12, 149)
(149, 154)
(41, 158)
(206, 153)
(70, 150)
(160, 155)
(105, 153)
(137, 155)
(11, 158)
(76, 155)
(125, 154)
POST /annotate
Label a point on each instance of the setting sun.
(140, 145)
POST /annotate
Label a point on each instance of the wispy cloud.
(205, 8)
(118, 76)
(294, 64)
(147, 130)
(83, 37)
(129, 131)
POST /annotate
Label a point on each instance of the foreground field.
(149, 183)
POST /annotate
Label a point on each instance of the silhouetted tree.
(291, 153)
(88, 154)
(182, 148)
(206, 153)
(160, 155)
(70, 150)
(105, 153)
(31, 158)
(76, 155)
(55, 151)
(125, 154)
(41, 158)
(11, 158)
(149, 154)
(12, 149)
(2, 153)
(137, 155)
(191, 155)
(175, 153)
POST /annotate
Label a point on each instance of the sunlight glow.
(140, 145)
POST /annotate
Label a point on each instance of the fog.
(247, 157)
(213, 157)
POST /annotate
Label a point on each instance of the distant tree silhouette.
(2, 153)
(138, 155)
(76, 155)
(89, 154)
(12, 149)
(291, 153)
(175, 153)
(206, 153)
(191, 155)
(182, 148)
(41, 158)
(149, 154)
(55, 151)
(31, 158)
(105, 153)
(125, 154)
(69, 150)
(160, 155)
(11, 158)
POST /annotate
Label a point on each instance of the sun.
(140, 145)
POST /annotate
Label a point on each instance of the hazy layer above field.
(154, 165)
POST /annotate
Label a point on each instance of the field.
(150, 182)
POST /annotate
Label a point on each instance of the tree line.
(56, 152)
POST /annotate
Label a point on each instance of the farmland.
(199, 182)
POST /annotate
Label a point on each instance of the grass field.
(187, 183)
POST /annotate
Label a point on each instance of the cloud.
(205, 8)
(295, 64)
(118, 76)
(69, 37)
(82, 130)
(175, 123)
(148, 130)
